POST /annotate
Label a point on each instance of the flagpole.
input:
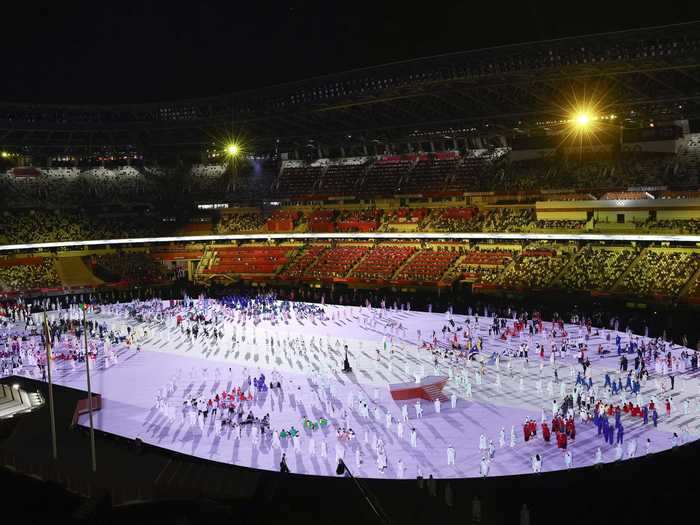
(87, 369)
(47, 335)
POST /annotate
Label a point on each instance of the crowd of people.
(534, 271)
(30, 276)
(597, 269)
(660, 271)
(54, 226)
(481, 360)
(240, 223)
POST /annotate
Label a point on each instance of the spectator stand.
(335, 263)
(403, 219)
(428, 266)
(536, 267)
(228, 263)
(27, 274)
(596, 269)
(483, 263)
(240, 220)
(385, 176)
(431, 172)
(660, 272)
(381, 263)
(305, 259)
(341, 177)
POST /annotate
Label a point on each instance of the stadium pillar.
(87, 370)
(47, 346)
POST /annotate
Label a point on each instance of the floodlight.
(582, 120)
(233, 149)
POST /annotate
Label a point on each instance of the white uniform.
(618, 452)
(536, 464)
(400, 469)
(568, 459)
(451, 455)
(484, 467)
(598, 456)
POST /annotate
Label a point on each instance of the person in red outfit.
(561, 440)
(546, 434)
(526, 431)
(533, 428)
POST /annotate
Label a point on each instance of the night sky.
(134, 51)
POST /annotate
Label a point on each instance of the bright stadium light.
(4, 154)
(233, 149)
(583, 120)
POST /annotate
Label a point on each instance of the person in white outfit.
(400, 469)
(484, 466)
(482, 443)
(453, 400)
(414, 438)
(404, 412)
(419, 410)
(502, 438)
(536, 463)
(437, 404)
(618, 452)
(598, 457)
(450, 455)
(568, 458)
(632, 448)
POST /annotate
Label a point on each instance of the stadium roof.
(651, 73)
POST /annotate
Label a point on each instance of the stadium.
(456, 287)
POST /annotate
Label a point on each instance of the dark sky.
(102, 51)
